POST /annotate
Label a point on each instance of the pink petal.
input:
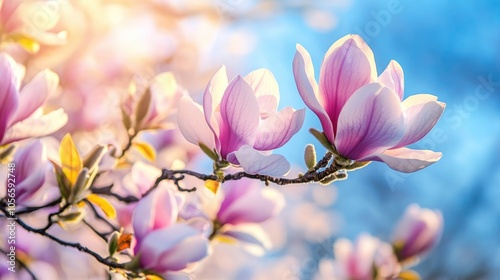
(370, 122)
(35, 93)
(212, 99)
(418, 230)
(172, 248)
(255, 205)
(256, 240)
(408, 160)
(30, 170)
(157, 210)
(276, 130)
(37, 125)
(303, 71)
(8, 92)
(393, 77)
(266, 90)
(421, 113)
(348, 65)
(189, 250)
(192, 124)
(239, 115)
(254, 162)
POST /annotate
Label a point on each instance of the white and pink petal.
(35, 93)
(276, 130)
(192, 124)
(370, 122)
(303, 71)
(240, 116)
(266, 90)
(254, 162)
(407, 160)
(393, 77)
(37, 125)
(348, 65)
(421, 112)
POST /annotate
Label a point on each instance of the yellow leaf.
(212, 185)
(30, 45)
(225, 239)
(102, 203)
(408, 275)
(81, 204)
(70, 158)
(146, 150)
(153, 277)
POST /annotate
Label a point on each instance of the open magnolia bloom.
(239, 122)
(364, 117)
(21, 115)
(163, 245)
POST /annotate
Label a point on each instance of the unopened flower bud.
(418, 232)
(310, 156)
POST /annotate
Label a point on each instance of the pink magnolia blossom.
(21, 21)
(362, 115)
(248, 202)
(163, 245)
(240, 123)
(30, 166)
(418, 232)
(368, 258)
(21, 115)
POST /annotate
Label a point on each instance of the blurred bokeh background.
(446, 48)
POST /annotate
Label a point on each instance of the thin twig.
(35, 208)
(77, 246)
(107, 191)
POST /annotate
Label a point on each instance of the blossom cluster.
(100, 147)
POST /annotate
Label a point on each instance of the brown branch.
(315, 175)
(77, 246)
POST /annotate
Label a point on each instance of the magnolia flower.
(363, 116)
(163, 245)
(29, 23)
(368, 258)
(418, 232)
(239, 120)
(30, 167)
(248, 202)
(21, 116)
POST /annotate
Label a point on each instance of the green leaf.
(113, 243)
(79, 186)
(323, 140)
(210, 153)
(310, 156)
